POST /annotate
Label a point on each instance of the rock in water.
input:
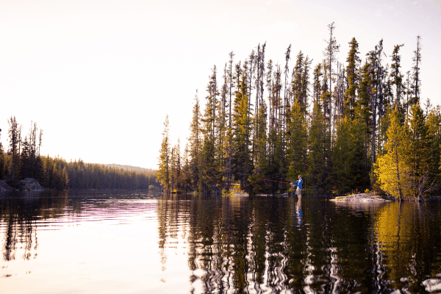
(4, 187)
(29, 184)
(432, 285)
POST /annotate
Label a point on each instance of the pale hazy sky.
(99, 76)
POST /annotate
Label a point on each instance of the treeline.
(99, 176)
(23, 160)
(343, 126)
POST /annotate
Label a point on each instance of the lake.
(136, 242)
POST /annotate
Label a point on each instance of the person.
(299, 183)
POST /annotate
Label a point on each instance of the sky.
(100, 76)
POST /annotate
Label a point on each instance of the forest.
(346, 126)
(23, 160)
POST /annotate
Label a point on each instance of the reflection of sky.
(105, 249)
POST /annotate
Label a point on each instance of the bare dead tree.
(330, 53)
(230, 84)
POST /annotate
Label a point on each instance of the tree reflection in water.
(237, 245)
(20, 213)
(271, 244)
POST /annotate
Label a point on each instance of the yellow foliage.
(233, 190)
(392, 169)
(387, 175)
(394, 225)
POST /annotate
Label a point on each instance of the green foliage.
(397, 77)
(242, 164)
(99, 176)
(350, 168)
(335, 145)
(433, 123)
(352, 71)
(260, 153)
(55, 173)
(317, 174)
(298, 142)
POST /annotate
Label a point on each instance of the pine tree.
(25, 160)
(208, 168)
(175, 168)
(317, 84)
(416, 82)
(374, 81)
(352, 72)
(260, 163)
(297, 149)
(331, 50)
(350, 171)
(242, 163)
(397, 77)
(433, 123)
(163, 175)
(418, 148)
(195, 142)
(317, 153)
(186, 181)
(300, 81)
(14, 146)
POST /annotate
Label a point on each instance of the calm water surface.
(136, 242)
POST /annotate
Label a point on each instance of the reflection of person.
(299, 183)
(299, 210)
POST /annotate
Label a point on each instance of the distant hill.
(130, 167)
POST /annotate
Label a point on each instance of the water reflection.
(20, 213)
(228, 244)
(306, 245)
(23, 214)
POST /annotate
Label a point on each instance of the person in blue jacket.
(299, 183)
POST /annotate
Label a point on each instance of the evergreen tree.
(195, 141)
(297, 149)
(186, 181)
(317, 153)
(416, 82)
(163, 176)
(352, 72)
(26, 164)
(330, 55)
(175, 168)
(317, 84)
(14, 147)
(209, 171)
(260, 163)
(418, 148)
(373, 79)
(433, 123)
(397, 77)
(242, 164)
(300, 82)
(350, 171)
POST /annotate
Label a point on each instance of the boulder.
(4, 187)
(29, 184)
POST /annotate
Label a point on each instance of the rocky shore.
(28, 184)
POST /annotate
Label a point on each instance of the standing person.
(299, 183)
